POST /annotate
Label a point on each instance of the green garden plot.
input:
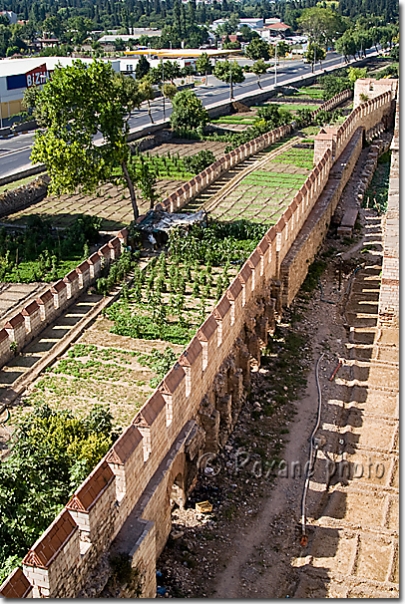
(277, 180)
(312, 92)
(167, 167)
(300, 158)
(235, 119)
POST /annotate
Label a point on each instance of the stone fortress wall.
(124, 504)
(389, 294)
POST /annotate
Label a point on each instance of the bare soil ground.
(249, 546)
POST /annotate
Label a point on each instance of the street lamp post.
(275, 65)
(230, 82)
(164, 98)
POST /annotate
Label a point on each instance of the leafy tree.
(188, 112)
(258, 49)
(78, 103)
(322, 24)
(142, 67)
(147, 94)
(146, 180)
(53, 25)
(248, 33)
(356, 73)
(78, 29)
(333, 84)
(171, 70)
(259, 68)
(282, 48)
(52, 452)
(315, 53)
(169, 91)
(203, 64)
(346, 45)
(229, 72)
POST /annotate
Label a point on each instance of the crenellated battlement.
(125, 502)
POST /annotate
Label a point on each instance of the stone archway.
(176, 483)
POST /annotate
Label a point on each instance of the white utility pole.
(275, 66)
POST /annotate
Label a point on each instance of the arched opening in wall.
(177, 494)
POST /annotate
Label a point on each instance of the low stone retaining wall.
(24, 196)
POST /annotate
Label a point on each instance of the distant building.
(252, 23)
(12, 17)
(278, 28)
(136, 34)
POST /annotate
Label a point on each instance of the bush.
(198, 162)
(51, 454)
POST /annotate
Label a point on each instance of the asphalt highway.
(15, 152)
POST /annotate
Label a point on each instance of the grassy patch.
(314, 273)
(301, 158)
(17, 183)
(376, 196)
(41, 253)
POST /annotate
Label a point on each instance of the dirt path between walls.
(249, 546)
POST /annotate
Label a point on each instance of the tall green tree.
(315, 52)
(259, 68)
(230, 72)
(147, 94)
(203, 64)
(258, 49)
(323, 25)
(142, 67)
(78, 104)
(188, 113)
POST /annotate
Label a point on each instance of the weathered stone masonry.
(389, 294)
(124, 505)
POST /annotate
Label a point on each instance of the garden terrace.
(265, 192)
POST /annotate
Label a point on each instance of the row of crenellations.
(117, 484)
(35, 316)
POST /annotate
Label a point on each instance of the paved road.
(15, 152)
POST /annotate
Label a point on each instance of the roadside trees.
(315, 52)
(188, 112)
(82, 102)
(169, 91)
(147, 94)
(323, 25)
(204, 65)
(229, 72)
(258, 49)
(259, 68)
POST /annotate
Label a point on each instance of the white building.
(252, 23)
(136, 33)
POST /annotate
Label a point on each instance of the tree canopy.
(51, 454)
(230, 72)
(188, 112)
(83, 112)
(258, 49)
(323, 25)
